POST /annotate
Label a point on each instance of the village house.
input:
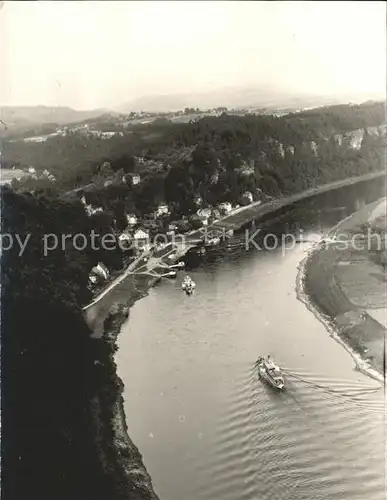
(100, 271)
(131, 179)
(198, 201)
(91, 210)
(162, 209)
(131, 219)
(225, 208)
(125, 236)
(204, 212)
(141, 239)
(247, 197)
(203, 215)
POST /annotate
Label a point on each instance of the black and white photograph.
(193, 250)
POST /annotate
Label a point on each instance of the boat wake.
(269, 444)
(358, 395)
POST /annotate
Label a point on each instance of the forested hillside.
(218, 158)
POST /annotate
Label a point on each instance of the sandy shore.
(346, 289)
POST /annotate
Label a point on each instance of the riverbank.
(235, 220)
(344, 286)
(119, 456)
(257, 210)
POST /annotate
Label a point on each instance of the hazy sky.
(93, 54)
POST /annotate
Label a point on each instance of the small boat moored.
(188, 285)
(170, 274)
(270, 372)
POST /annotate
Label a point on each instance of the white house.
(131, 179)
(225, 208)
(141, 239)
(162, 209)
(136, 179)
(91, 211)
(198, 201)
(204, 214)
(248, 196)
(125, 236)
(131, 219)
(100, 270)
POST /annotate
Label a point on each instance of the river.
(207, 428)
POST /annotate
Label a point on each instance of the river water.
(207, 428)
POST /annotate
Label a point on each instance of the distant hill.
(235, 97)
(239, 97)
(23, 116)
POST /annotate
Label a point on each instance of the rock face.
(353, 139)
(314, 148)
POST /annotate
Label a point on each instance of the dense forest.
(216, 158)
(49, 361)
(51, 367)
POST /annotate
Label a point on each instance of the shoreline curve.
(305, 268)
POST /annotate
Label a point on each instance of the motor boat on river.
(188, 285)
(270, 372)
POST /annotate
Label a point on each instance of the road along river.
(207, 427)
